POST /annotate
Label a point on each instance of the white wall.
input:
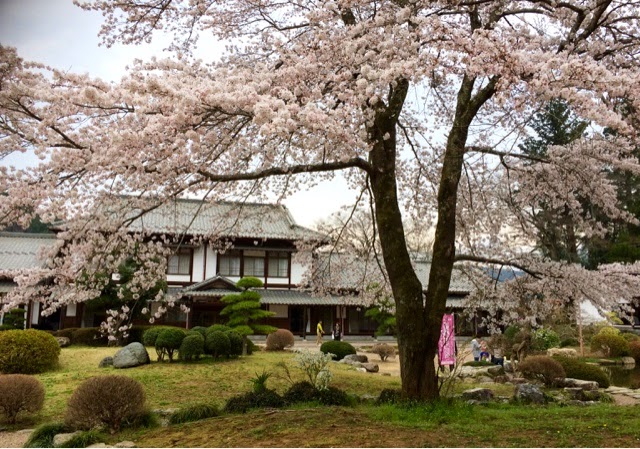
(297, 270)
(212, 260)
(198, 264)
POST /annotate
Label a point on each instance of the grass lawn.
(453, 424)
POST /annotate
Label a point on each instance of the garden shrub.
(14, 319)
(251, 347)
(146, 419)
(199, 329)
(89, 336)
(543, 339)
(235, 343)
(6, 327)
(279, 340)
(136, 334)
(192, 347)
(169, 341)
(634, 350)
(150, 336)
(630, 336)
(67, 333)
(20, 393)
(577, 369)
(244, 402)
(389, 396)
(339, 349)
(194, 413)
(542, 367)
(217, 344)
(334, 396)
(107, 400)
(301, 392)
(610, 344)
(510, 333)
(570, 341)
(314, 365)
(383, 350)
(27, 351)
(217, 328)
(43, 435)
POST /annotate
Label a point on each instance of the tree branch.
(480, 259)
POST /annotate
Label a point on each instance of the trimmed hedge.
(300, 392)
(169, 340)
(611, 345)
(279, 340)
(543, 368)
(192, 347)
(634, 350)
(217, 344)
(27, 351)
(89, 336)
(235, 344)
(263, 399)
(339, 349)
(20, 393)
(577, 369)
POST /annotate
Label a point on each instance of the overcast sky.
(59, 34)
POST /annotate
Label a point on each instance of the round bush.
(20, 393)
(169, 340)
(235, 343)
(107, 400)
(389, 396)
(199, 329)
(301, 392)
(192, 347)
(542, 367)
(610, 344)
(576, 369)
(333, 396)
(27, 351)
(217, 328)
(570, 341)
(543, 339)
(383, 350)
(217, 344)
(630, 336)
(150, 336)
(634, 350)
(251, 347)
(280, 339)
(339, 349)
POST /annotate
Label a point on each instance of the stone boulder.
(356, 358)
(134, 354)
(508, 367)
(496, 370)
(577, 383)
(478, 394)
(63, 438)
(371, 367)
(125, 444)
(564, 352)
(529, 394)
(63, 341)
(628, 361)
(106, 362)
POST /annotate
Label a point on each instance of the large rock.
(528, 393)
(106, 362)
(628, 361)
(371, 367)
(356, 358)
(496, 370)
(134, 354)
(508, 367)
(125, 444)
(63, 341)
(478, 394)
(564, 352)
(63, 438)
(577, 383)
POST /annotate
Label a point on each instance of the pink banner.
(447, 342)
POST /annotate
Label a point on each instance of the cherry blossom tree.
(418, 103)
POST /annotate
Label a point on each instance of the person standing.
(319, 332)
(336, 332)
(484, 351)
(475, 349)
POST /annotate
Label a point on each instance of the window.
(278, 264)
(229, 264)
(254, 266)
(180, 263)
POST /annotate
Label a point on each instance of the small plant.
(20, 393)
(107, 400)
(169, 341)
(194, 413)
(44, 434)
(577, 369)
(217, 344)
(384, 351)
(260, 382)
(279, 340)
(333, 396)
(27, 351)
(192, 347)
(542, 367)
(339, 349)
(389, 396)
(314, 363)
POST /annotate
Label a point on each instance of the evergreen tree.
(245, 312)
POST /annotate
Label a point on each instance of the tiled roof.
(20, 250)
(224, 219)
(347, 271)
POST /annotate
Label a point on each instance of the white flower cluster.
(314, 365)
